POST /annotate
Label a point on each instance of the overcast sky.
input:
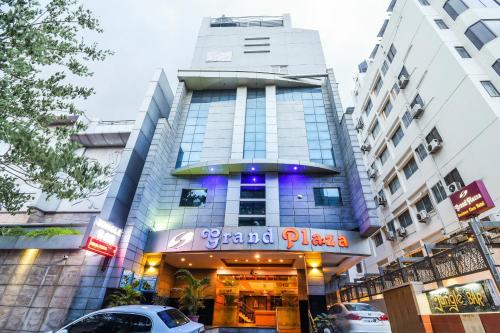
(149, 34)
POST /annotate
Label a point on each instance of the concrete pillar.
(272, 200)
(315, 283)
(271, 123)
(239, 123)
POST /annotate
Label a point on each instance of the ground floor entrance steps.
(240, 330)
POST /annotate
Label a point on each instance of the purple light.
(295, 168)
(254, 179)
(252, 168)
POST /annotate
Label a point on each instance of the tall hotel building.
(249, 174)
(427, 114)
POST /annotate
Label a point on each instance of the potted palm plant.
(126, 295)
(191, 299)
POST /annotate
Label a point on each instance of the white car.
(359, 318)
(134, 319)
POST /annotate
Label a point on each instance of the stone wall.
(37, 288)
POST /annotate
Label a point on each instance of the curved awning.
(225, 167)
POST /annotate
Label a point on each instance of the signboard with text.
(102, 237)
(471, 200)
(97, 246)
(472, 297)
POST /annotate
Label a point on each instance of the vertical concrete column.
(315, 283)
(272, 200)
(232, 201)
(271, 123)
(239, 123)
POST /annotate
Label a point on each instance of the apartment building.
(427, 108)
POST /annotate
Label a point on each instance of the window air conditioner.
(433, 146)
(360, 125)
(390, 236)
(381, 201)
(403, 81)
(453, 187)
(401, 232)
(422, 216)
(365, 148)
(417, 110)
(372, 173)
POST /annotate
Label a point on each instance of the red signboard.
(471, 200)
(100, 247)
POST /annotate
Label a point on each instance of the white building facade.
(427, 108)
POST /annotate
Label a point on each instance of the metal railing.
(461, 260)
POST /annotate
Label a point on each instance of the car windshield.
(173, 318)
(360, 307)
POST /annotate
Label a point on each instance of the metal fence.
(461, 260)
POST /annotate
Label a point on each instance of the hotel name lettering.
(292, 236)
(473, 297)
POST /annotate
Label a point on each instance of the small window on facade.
(385, 67)
(387, 108)
(359, 268)
(483, 32)
(375, 130)
(490, 88)
(405, 219)
(455, 8)
(454, 177)
(439, 192)
(253, 221)
(252, 207)
(462, 52)
(397, 136)
(417, 100)
(407, 118)
(384, 156)
(253, 192)
(394, 185)
(421, 151)
(424, 204)
(327, 196)
(391, 227)
(378, 85)
(193, 197)
(251, 178)
(395, 90)
(496, 66)
(392, 53)
(377, 239)
(441, 25)
(424, 2)
(368, 106)
(433, 134)
(410, 168)
(381, 194)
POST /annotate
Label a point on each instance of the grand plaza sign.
(258, 238)
(471, 200)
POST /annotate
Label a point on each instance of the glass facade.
(255, 124)
(318, 136)
(196, 123)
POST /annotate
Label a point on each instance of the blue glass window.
(255, 124)
(196, 122)
(318, 135)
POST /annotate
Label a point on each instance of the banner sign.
(472, 297)
(258, 238)
(102, 236)
(471, 200)
(100, 247)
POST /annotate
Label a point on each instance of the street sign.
(97, 246)
(471, 200)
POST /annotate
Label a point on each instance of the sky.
(149, 34)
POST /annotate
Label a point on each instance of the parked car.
(134, 319)
(359, 318)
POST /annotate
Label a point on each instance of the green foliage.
(126, 295)
(45, 232)
(192, 294)
(41, 51)
(325, 323)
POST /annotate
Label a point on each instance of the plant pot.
(194, 318)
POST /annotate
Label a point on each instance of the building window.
(424, 204)
(375, 130)
(387, 108)
(254, 221)
(327, 196)
(424, 2)
(193, 197)
(405, 219)
(368, 106)
(196, 122)
(417, 100)
(496, 66)
(407, 118)
(252, 192)
(252, 208)
(253, 178)
(455, 8)
(317, 131)
(381, 194)
(462, 52)
(378, 85)
(385, 67)
(397, 136)
(384, 156)
(454, 177)
(395, 90)
(483, 32)
(255, 124)
(441, 25)
(359, 268)
(394, 185)
(433, 135)
(392, 53)
(391, 227)
(421, 151)
(410, 168)
(439, 192)
(377, 239)
(490, 88)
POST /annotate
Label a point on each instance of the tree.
(41, 50)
